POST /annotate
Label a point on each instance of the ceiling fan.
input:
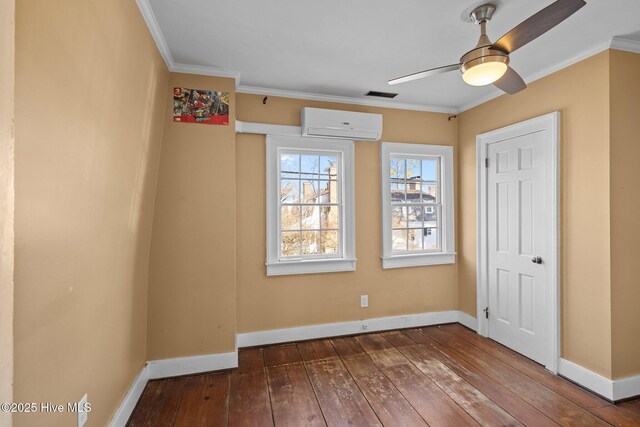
(488, 62)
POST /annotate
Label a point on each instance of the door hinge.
(486, 162)
(486, 312)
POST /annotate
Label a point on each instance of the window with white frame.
(417, 205)
(310, 198)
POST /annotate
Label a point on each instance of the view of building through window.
(309, 205)
(415, 204)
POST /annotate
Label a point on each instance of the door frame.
(550, 124)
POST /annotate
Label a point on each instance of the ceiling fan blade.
(510, 82)
(538, 24)
(425, 73)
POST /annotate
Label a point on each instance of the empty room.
(319, 213)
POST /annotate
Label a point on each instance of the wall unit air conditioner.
(320, 122)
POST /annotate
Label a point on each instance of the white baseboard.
(626, 388)
(301, 333)
(467, 320)
(164, 368)
(613, 390)
(124, 411)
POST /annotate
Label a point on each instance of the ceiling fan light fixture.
(485, 73)
(484, 70)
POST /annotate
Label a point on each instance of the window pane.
(310, 217)
(290, 243)
(429, 192)
(430, 238)
(399, 240)
(330, 242)
(310, 166)
(289, 191)
(413, 191)
(329, 217)
(430, 170)
(290, 217)
(397, 168)
(415, 239)
(430, 216)
(413, 169)
(310, 191)
(397, 192)
(398, 217)
(414, 216)
(328, 192)
(290, 165)
(310, 242)
(329, 167)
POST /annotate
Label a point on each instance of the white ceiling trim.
(152, 23)
(156, 32)
(625, 44)
(342, 99)
(540, 74)
(206, 71)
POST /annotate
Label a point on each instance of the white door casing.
(517, 221)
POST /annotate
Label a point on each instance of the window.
(310, 205)
(417, 205)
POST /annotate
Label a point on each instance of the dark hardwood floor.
(438, 376)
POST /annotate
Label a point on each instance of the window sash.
(340, 204)
(443, 205)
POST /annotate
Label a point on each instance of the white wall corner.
(164, 368)
(467, 320)
(128, 404)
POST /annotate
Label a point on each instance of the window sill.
(311, 266)
(417, 260)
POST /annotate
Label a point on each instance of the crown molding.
(254, 90)
(205, 71)
(593, 50)
(156, 32)
(172, 66)
(618, 43)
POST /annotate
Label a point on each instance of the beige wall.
(625, 212)
(90, 95)
(7, 202)
(581, 94)
(285, 301)
(192, 296)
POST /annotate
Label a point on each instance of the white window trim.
(347, 262)
(447, 255)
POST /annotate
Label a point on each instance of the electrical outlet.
(364, 301)
(83, 410)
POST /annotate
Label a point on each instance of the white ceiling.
(348, 47)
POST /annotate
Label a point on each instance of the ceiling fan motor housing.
(483, 52)
(481, 55)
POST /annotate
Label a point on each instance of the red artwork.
(200, 106)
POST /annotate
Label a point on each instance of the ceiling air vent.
(382, 94)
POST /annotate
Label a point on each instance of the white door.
(517, 233)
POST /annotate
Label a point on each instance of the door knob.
(536, 260)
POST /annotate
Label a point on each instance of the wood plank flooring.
(437, 376)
